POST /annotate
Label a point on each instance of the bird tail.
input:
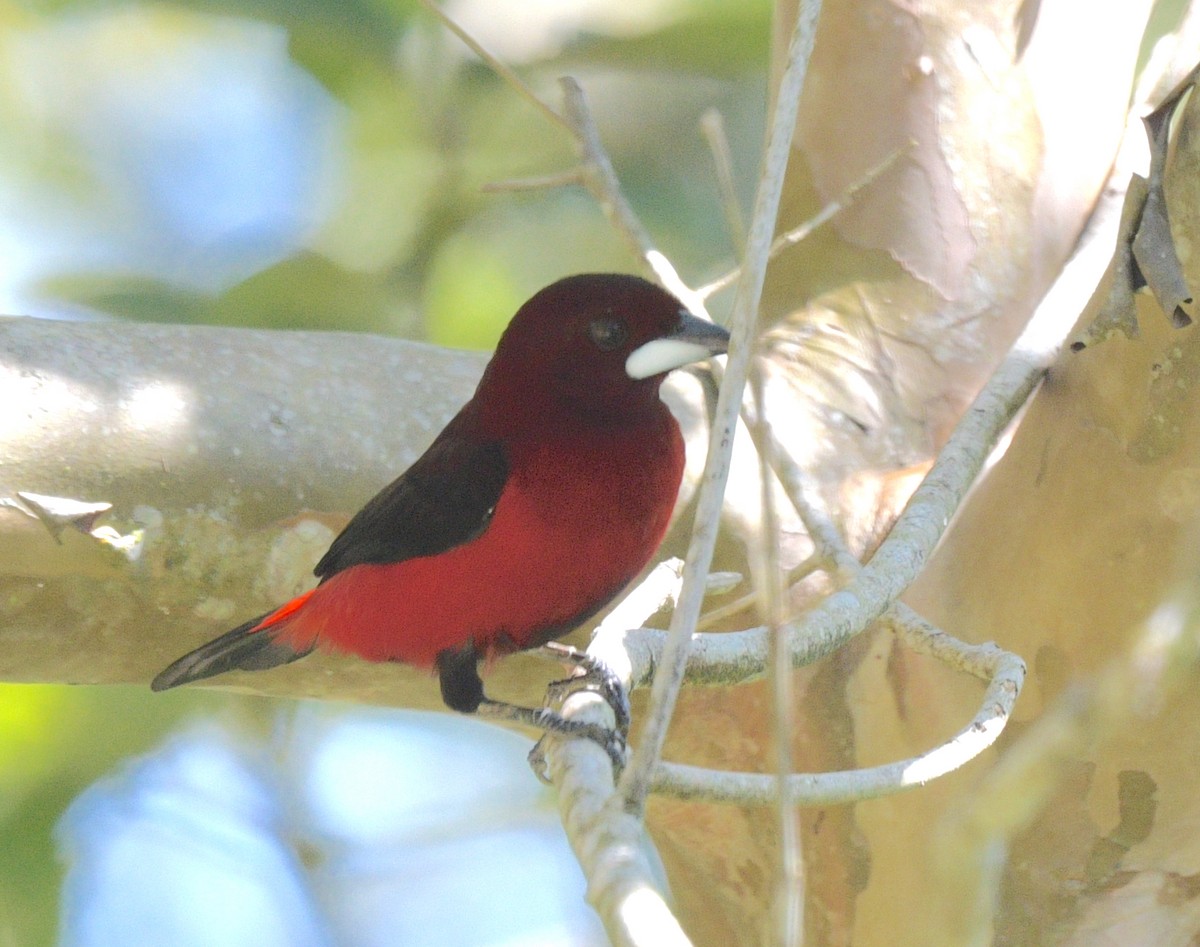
(249, 647)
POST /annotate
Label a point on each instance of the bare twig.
(802, 232)
(712, 126)
(601, 181)
(788, 901)
(542, 183)
(798, 572)
(690, 782)
(496, 65)
(595, 171)
(636, 780)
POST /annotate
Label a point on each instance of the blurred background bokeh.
(319, 164)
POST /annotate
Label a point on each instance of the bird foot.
(591, 674)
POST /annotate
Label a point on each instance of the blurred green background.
(314, 165)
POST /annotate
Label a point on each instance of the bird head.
(597, 345)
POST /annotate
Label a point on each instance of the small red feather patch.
(283, 612)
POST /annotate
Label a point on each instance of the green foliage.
(383, 210)
(358, 206)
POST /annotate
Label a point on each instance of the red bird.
(538, 503)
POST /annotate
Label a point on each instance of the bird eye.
(608, 334)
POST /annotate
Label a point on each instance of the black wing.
(443, 500)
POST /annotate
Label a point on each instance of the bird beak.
(692, 340)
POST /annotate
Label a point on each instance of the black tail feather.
(240, 649)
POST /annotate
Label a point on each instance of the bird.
(536, 505)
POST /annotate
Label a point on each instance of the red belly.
(557, 548)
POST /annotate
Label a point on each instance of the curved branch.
(691, 782)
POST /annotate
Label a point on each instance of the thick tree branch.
(230, 457)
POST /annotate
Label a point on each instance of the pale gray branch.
(691, 782)
(229, 458)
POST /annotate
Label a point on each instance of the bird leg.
(541, 718)
(462, 690)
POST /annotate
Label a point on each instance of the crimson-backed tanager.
(534, 507)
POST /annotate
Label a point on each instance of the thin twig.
(601, 180)
(788, 900)
(596, 171)
(496, 65)
(712, 126)
(829, 547)
(543, 182)
(921, 636)
(691, 782)
(636, 780)
(791, 237)
(796, 574)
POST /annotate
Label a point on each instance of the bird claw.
(611, 741)
(538, 762)
(593, 675)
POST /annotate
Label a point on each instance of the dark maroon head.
(597, 345)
